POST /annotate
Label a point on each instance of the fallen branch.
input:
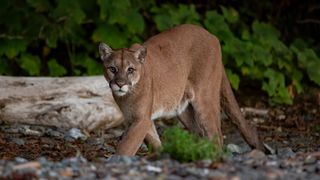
(254, 111)
(83, 102)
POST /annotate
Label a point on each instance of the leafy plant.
(256, 52)
(187, 147)
(168, 15)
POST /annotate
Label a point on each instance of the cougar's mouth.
(119, 91)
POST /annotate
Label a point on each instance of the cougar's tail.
(232, 110)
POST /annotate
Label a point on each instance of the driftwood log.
(83, 102)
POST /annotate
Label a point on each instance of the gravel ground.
(254, 165)
(292, 134)
(36, 152)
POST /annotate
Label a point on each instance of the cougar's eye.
(130, 70)
(112, 69)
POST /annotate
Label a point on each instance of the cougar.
(180, 73)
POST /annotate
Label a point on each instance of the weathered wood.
(83, 102)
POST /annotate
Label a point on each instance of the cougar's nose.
(120, 83)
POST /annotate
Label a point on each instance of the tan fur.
(176, 73)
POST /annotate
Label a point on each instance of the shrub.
(186, 147)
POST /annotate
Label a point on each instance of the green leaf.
(104, 8)
(233, 78)
(265, 31)
(55, 69)
(298, 44)
(40, 6)
(71, 10)
(31, 64)
(110, 35)
(296, 80)
(115, 11)
(261, 55)
(230, 14)
(12, 47)
(135, 22)
(276, 88)
(216, 24)
(313, 69)
(168, 16)
(4, 66)
(92, 66)
(52, 39)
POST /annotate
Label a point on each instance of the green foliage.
(256, 53)
(30, 64)
(187, 147)
(59, 38)
(168, 15)
(55, 69)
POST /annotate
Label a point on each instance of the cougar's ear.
(105, 51)
(141, 54)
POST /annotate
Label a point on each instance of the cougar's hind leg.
(188, 120)
(152, 137)
(207, 117)
(203, 120)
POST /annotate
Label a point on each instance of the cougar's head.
(122, 68)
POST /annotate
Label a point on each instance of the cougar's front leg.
(152, 137)
(134, 137)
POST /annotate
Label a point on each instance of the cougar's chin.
(119, 91)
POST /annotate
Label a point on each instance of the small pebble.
(233, 148)
(310, 160)
(256, 154)
(121, 159)
(53, 133)
(285, 152)
(109, 148)
(18, 141)
(20, 160)
(74, 133)
(153, 168)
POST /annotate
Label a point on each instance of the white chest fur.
(169, 113)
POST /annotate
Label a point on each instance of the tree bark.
(83, 102)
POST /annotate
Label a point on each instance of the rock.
(198, 172)
(153, 168)
(310, 160)
(269, 148)
(285, 152)
(233, 148)
(74, 134)
(25, 130)
(28, 165)
(95, 141)
(18, 141)
(217, 175)
(109, 148)
(310, 168)
(144, 147)
(272, 163)
(54, 133)
(20, 160)
(42, 160)
(121, 159)
(275, 174)
(9, 129)
(173, 177)
(256, 154)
